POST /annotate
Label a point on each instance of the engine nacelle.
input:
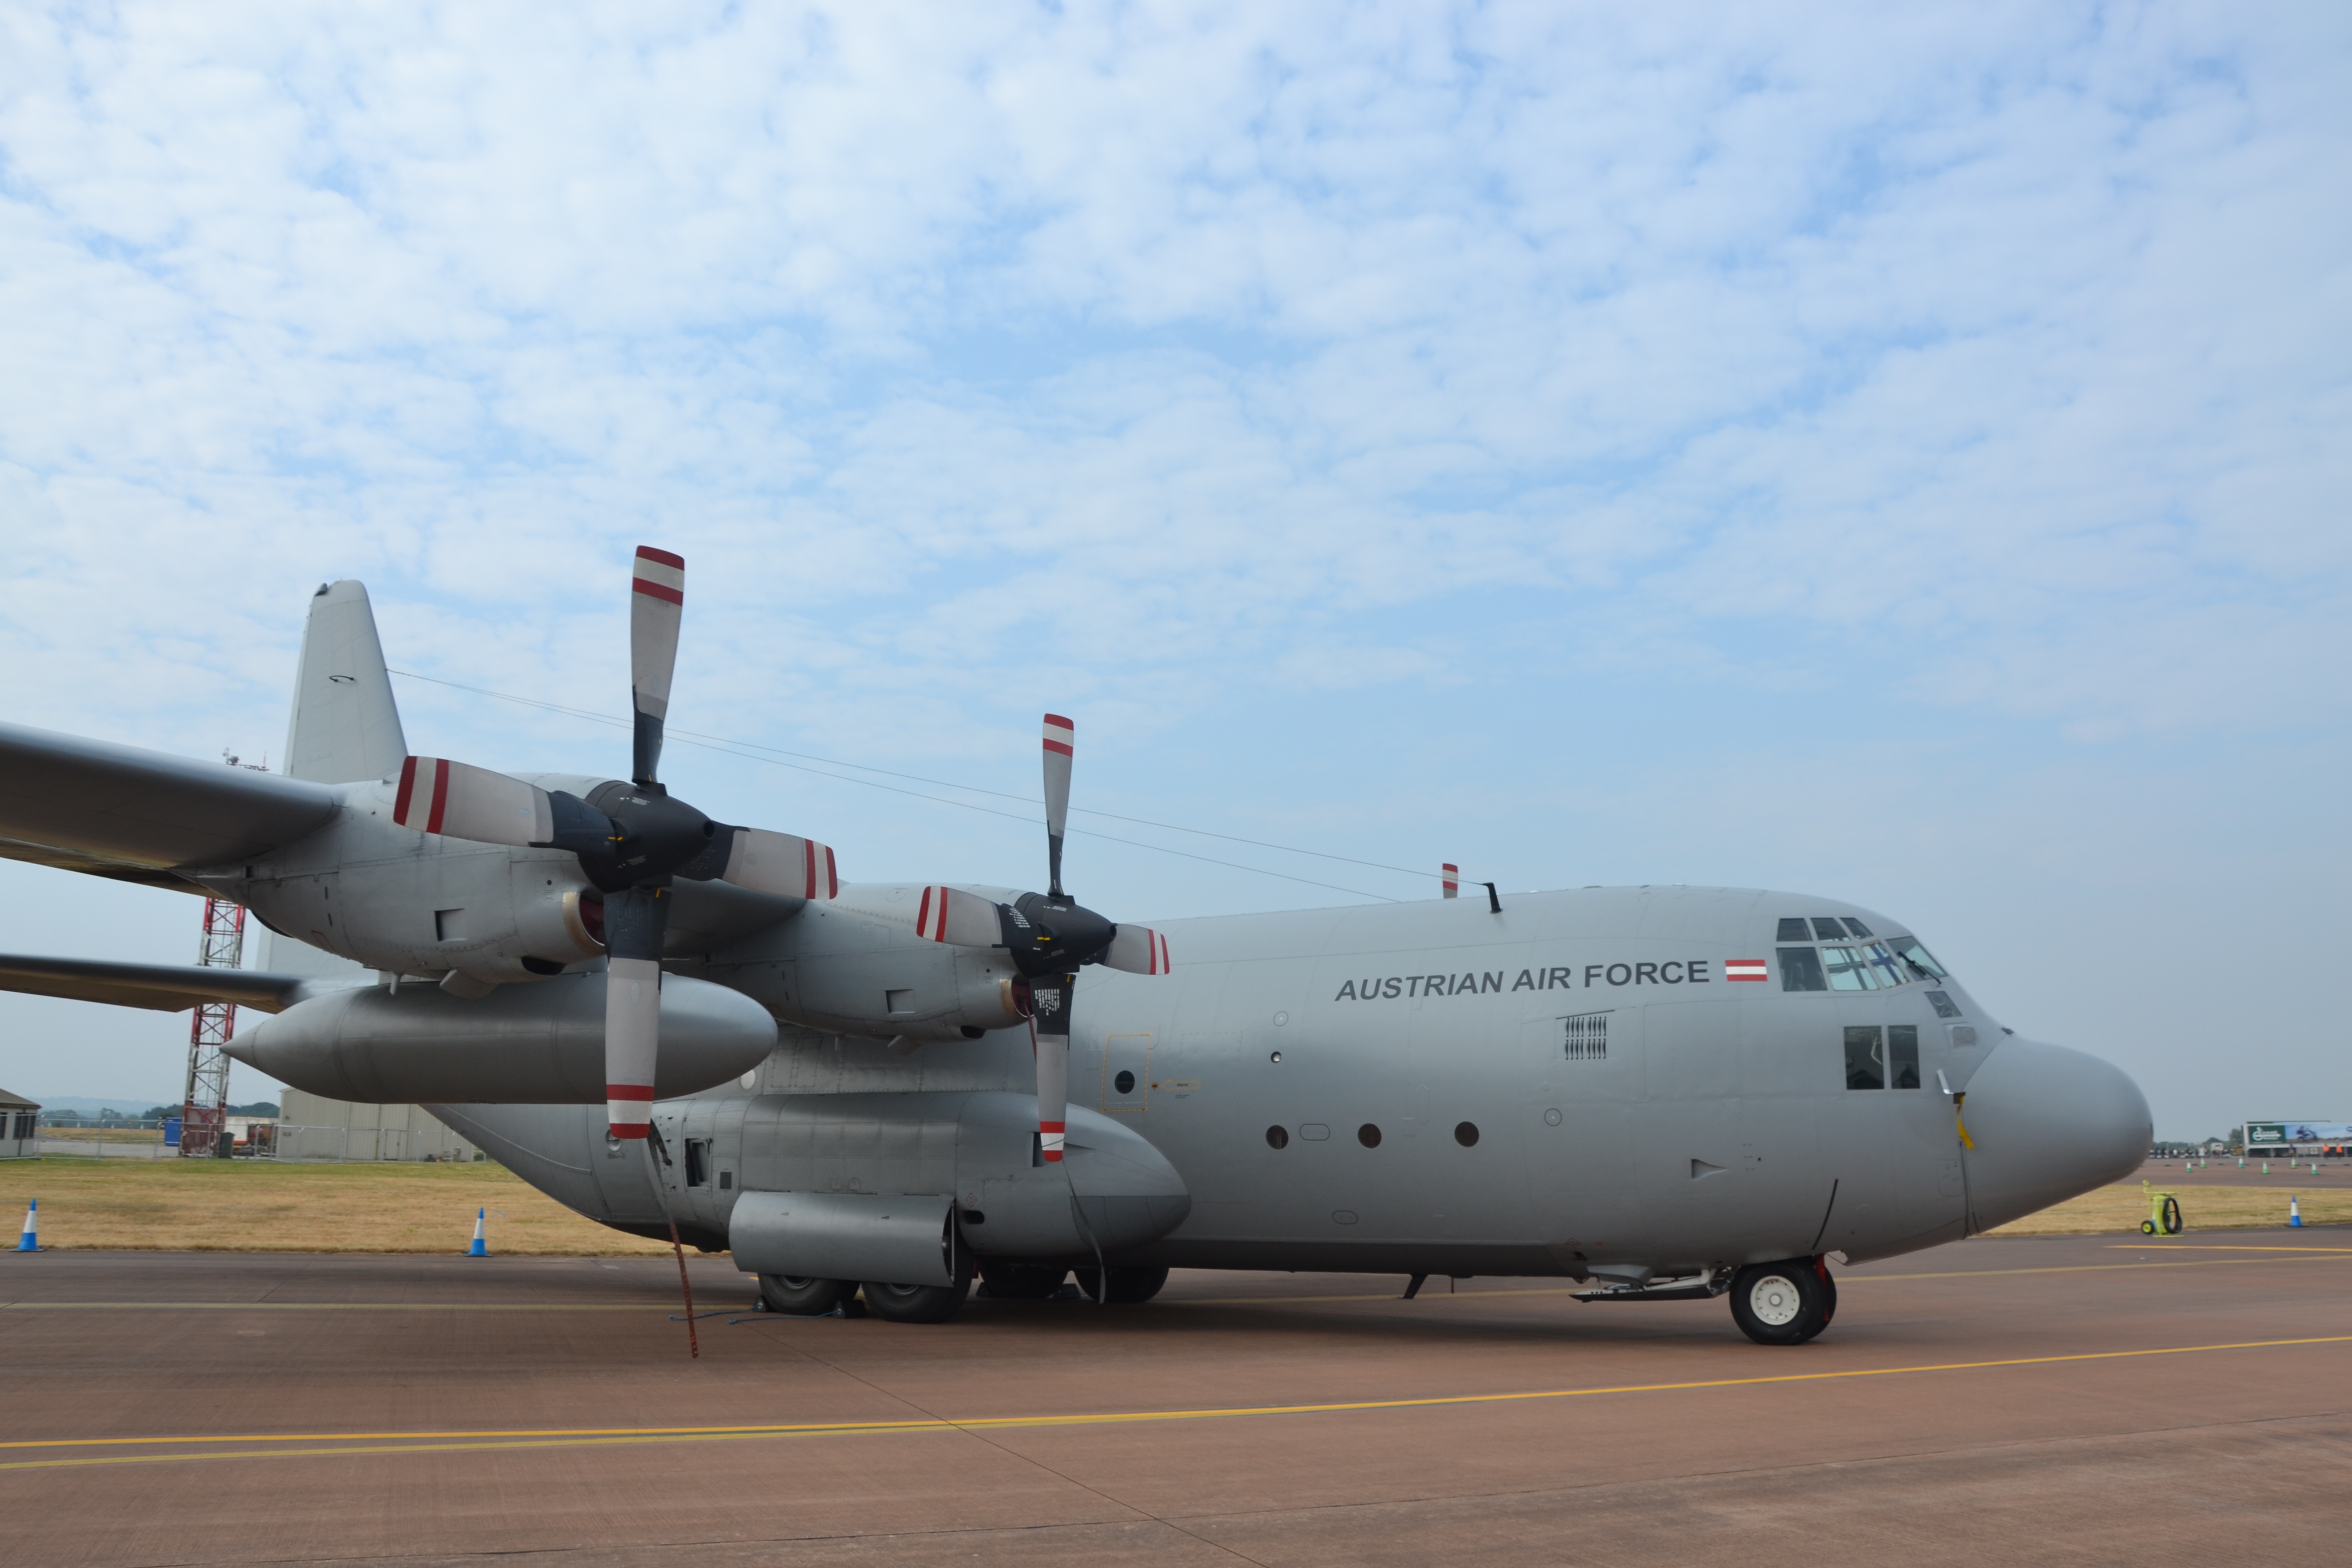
(525, 1045)
(864, 971)
(527, 938)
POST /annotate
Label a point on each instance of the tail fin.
(346, 727)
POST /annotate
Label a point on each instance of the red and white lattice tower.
(203, 1111)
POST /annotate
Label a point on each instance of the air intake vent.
(1586, 1037)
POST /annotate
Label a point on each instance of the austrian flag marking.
(1743, 969)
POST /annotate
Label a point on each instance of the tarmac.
(2063, 1399)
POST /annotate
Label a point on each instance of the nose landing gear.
(1783, 1303)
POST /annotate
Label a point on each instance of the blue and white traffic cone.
(480, 1248)
(31, 1241)
(2293, 1212)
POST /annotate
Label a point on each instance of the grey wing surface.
(119, 811)
(167, 988)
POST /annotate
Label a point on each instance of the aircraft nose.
(2048, 1123)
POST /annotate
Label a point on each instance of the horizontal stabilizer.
(166, 987)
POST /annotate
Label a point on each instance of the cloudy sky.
(1891, 453)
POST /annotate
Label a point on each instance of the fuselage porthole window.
(1801, 970)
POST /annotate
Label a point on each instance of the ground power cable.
(751, 751)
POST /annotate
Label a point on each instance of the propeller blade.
(958, 918)
(1052, 1035)
(1060, 735)
(656, 604)
(1138, 949)
(634, 922)
(458, 800)
(780, 863)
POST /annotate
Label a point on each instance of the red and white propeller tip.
(632, 1043)
(1451, 876)
(656, 604)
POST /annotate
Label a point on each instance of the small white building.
(312, 1127)
(19, 1127)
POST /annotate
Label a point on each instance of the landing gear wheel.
(1783, 1303)
(804, 1298)
(1019, 1281)
(1128, 1287)
(917, 1303)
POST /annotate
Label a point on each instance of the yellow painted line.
(2215, 1247)
(590, 1436)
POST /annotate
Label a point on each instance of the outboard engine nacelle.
(520, 1044)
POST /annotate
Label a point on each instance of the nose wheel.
(1783, 1303)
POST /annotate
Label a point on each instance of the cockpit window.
(1801, 970)
(1918, 957)
(1828, 929)
(1849, 969)
(1856, 927)
(1793, 929)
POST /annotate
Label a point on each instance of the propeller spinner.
(632, 840)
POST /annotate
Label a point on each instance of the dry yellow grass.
(2122, 1207)
(260, 1206)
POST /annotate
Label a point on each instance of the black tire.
(917, 1303)
(2172, 1217)
(1018, 1281)
(1783, 1303)
(801, 1297)
(1128, 1287)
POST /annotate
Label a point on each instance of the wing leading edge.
(165, 987)
(119, 811)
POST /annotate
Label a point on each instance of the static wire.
(753, 751)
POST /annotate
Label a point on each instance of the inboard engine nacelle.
(525, 1045)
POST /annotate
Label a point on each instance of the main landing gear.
(806, 1298)
(1783, 1303)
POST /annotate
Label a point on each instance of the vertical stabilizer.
(345, 726)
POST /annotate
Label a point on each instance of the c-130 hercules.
(1661, 1093)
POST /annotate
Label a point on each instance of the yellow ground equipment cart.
(2163, 1213)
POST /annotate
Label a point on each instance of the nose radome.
(2048, 1123)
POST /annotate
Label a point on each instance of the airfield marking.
(2322, 1254)
(616, 1437)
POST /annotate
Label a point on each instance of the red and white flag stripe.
(1744, 969)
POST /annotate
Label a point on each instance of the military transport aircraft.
(865, 1091)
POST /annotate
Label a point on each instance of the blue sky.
(1895, 455)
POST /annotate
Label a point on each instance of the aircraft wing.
(166, 987)
(119, 811)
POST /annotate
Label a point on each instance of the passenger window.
(1865, 1057)
(1828, 929)
(1801, 970)
(1793, 929)
(1942, 1002)
(1856, 927)
(1848, 969)
(1919, 958)
(1903, 1055)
